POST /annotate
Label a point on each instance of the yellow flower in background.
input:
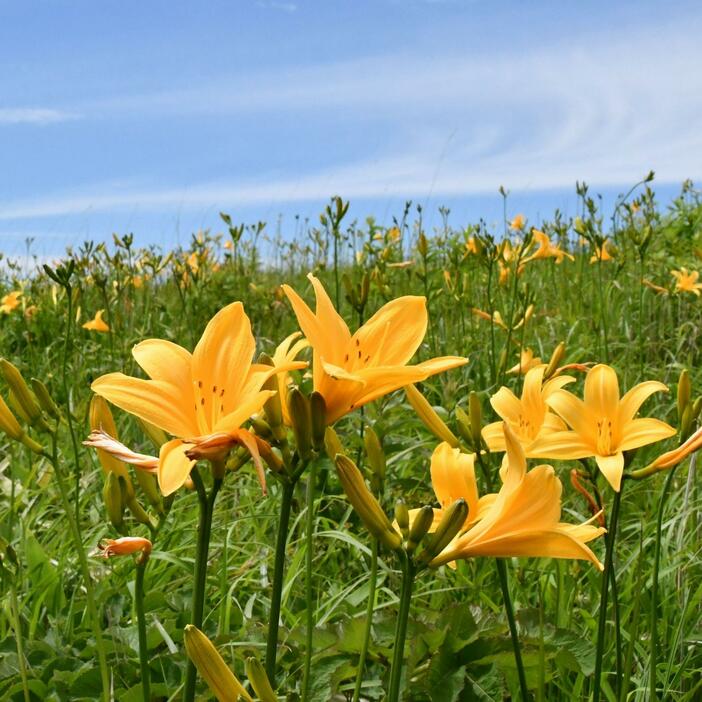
(518, 222)
(351, 370)
(603, 425)
(201, 398)
(601, 253)
(97, 323)
(687, 281)
(528, 417)
(10, 302)
(31, 311)
(523, 518)
(228, 244)
(504, 273)
(472, 245)
(546, 249)
(527, 361)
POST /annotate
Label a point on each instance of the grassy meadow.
(80, 624)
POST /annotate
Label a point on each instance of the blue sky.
(151, 117)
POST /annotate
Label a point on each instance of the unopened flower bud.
(555, 362)
(125, 546)
(44, 398)
(420, 526)
(256, 674)
(216, 673)
(22, 393)
(429, 417)
(684, 393)
(402, 517)
(332, 445)
(374, 453)
(149, 486)
(318, 416)
(112, 496)
(453, 519)
(261, 427)
(365, 504)
(463, 423)
(476, 418)
(272, 407)
(299, 409)
(157, 436)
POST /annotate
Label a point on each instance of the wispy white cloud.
(39, 116)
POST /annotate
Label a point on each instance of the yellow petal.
(632, 400)
(507, 405)
(561, 445)
(494, 436)
(152, 400)
(644, 431)
(173, 465)
(249, 407)
(612, 468)
(515, 460)
(574, 411)
(453, 477)
(164, 360)
(602, 390)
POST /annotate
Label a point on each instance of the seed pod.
(420, 526)
(23, 395)
(299, 409)
(216, 673)
(318, 416)
(256, 674)
(453, 519)
(402, 517)
(44, 398)
(429, 417)
(476, 418)
(365, 504)
(556, 358)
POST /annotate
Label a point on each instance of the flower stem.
(200, 575)
(141, 626)
(309, 554)
(602, 623)
(408, 573)
(514, 634)
(278, 573)
(85, 571)
(652, 694)
(372, 579)
(17, 625)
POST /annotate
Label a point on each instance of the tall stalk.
(309, 595)
(200, 576)
(408, 573)
(604, 591)
(278, 574)
(141, 626)
(370, 607)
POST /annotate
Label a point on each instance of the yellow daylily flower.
(10, 302)
(518, 222)
(601, 253)
(351, 370)
(528, 417)
(285, 354)
(546, 249)
(527, 361)
(202, 398)
(523, 518)
(603, 424)
(687, 281)
(97, 323)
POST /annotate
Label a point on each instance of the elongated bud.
(23, 395)
(137, 511)
(696, 407)
(422, 245)
(365, 504)
(686, 422)
(429, 417)
(463, 424)
(299, 409)
(318, 416)
(365, 289)
(157, 436)
(375, 453)
(332, 445)
(452, 521)
(112, 496)
(149, 486)
(420, 526)
(101, 418)
(555, 362)
(402, 517)
(502, 361)
(272, 407)
(261, 427)
(44, 398)
(256, 674)
(17, 408)
(10, 425)
(216, 673)
(684, 393)
(476, 418)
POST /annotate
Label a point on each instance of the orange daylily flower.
(603, 425)
(202, 398)
(124, 546)
(687, 281)
(522, 519)
(546, 249)
(351, 370)
(528, 417)
(518, 222)
(10, 302)
(97, 323)
(601, 253)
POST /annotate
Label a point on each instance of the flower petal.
(602, 390)
(173, 465)
(573, 410)
(506, 404)
(632, 400)
(453, 477)
(644, 431)
(561, 445)
(612, 468)
(164, 360)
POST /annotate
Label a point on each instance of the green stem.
(408, 573)
(514, 634)
(200, 575)
(372, 579)
(85, 571)
(141, 626)
(652, 694)
(17, 624)
(602, 623)
(277, 585)
(309, 595)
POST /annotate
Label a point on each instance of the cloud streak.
(39, 116)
